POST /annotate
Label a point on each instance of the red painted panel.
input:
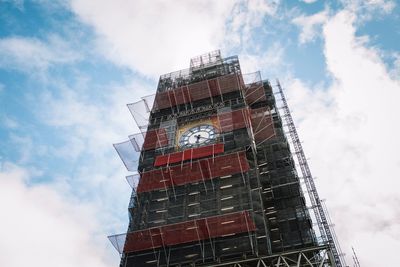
(189, 231)
(228, 83)
(237, 119)
(155, 139)
(193, 153)
(193, 172)
(263, 125)
(214, 87)
(182, 95)
(255, 93)
(161, 100)
(196, 91)
(199, 90)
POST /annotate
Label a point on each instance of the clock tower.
(216, 183)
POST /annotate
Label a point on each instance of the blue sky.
(68, 69)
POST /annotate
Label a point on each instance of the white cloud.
(9, 122)
(350, 134)
(32, 54)
(395, 71)
(309, 1)
(310, 26)
(246, 16)
(270, 61)
(154, 37)
(87, 128)
(368, 9)
(24, 145)
(47, 229)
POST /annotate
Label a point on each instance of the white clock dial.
(198, 135)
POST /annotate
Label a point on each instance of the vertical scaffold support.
(324, 228)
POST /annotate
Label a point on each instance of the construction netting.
(155, 139)
(165, 135)
(193, 171)
(128, 155)
(263, 125)
(137, 140)
(185, 232)
(192, 153)
(197, 91)
(206, 60)
(260, 120)
(209, 65)
(133, 180)
(251, 84)
(237, 119)
(118, 242)
(140, 111)
(253, 88)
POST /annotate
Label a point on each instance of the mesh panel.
(189, 231)
(128, 155)
(254, 89)
(263, 124)
(140, 112)
(133, 180)
(137, 141)
(197, 91)
(118, 242)
(155, 139)
(237, 119)
(228, 83)
(194, 171)
(193, 153)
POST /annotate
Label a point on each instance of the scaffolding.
(238, 198)
(320, 212)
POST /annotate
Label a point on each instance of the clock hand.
(198, 138)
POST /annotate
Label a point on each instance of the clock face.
(198, 135)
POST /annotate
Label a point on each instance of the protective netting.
(185, 232)
(206, 60)
(141, 111)
(236, 119)
(128, 155)
(203, 67)
(197, 91)
(137, 140)
(118, 242)
(165, 135)
(192, 153)
(254, 90)
(263, 124)
(133, 180)
(155, 139)
(191, 172)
